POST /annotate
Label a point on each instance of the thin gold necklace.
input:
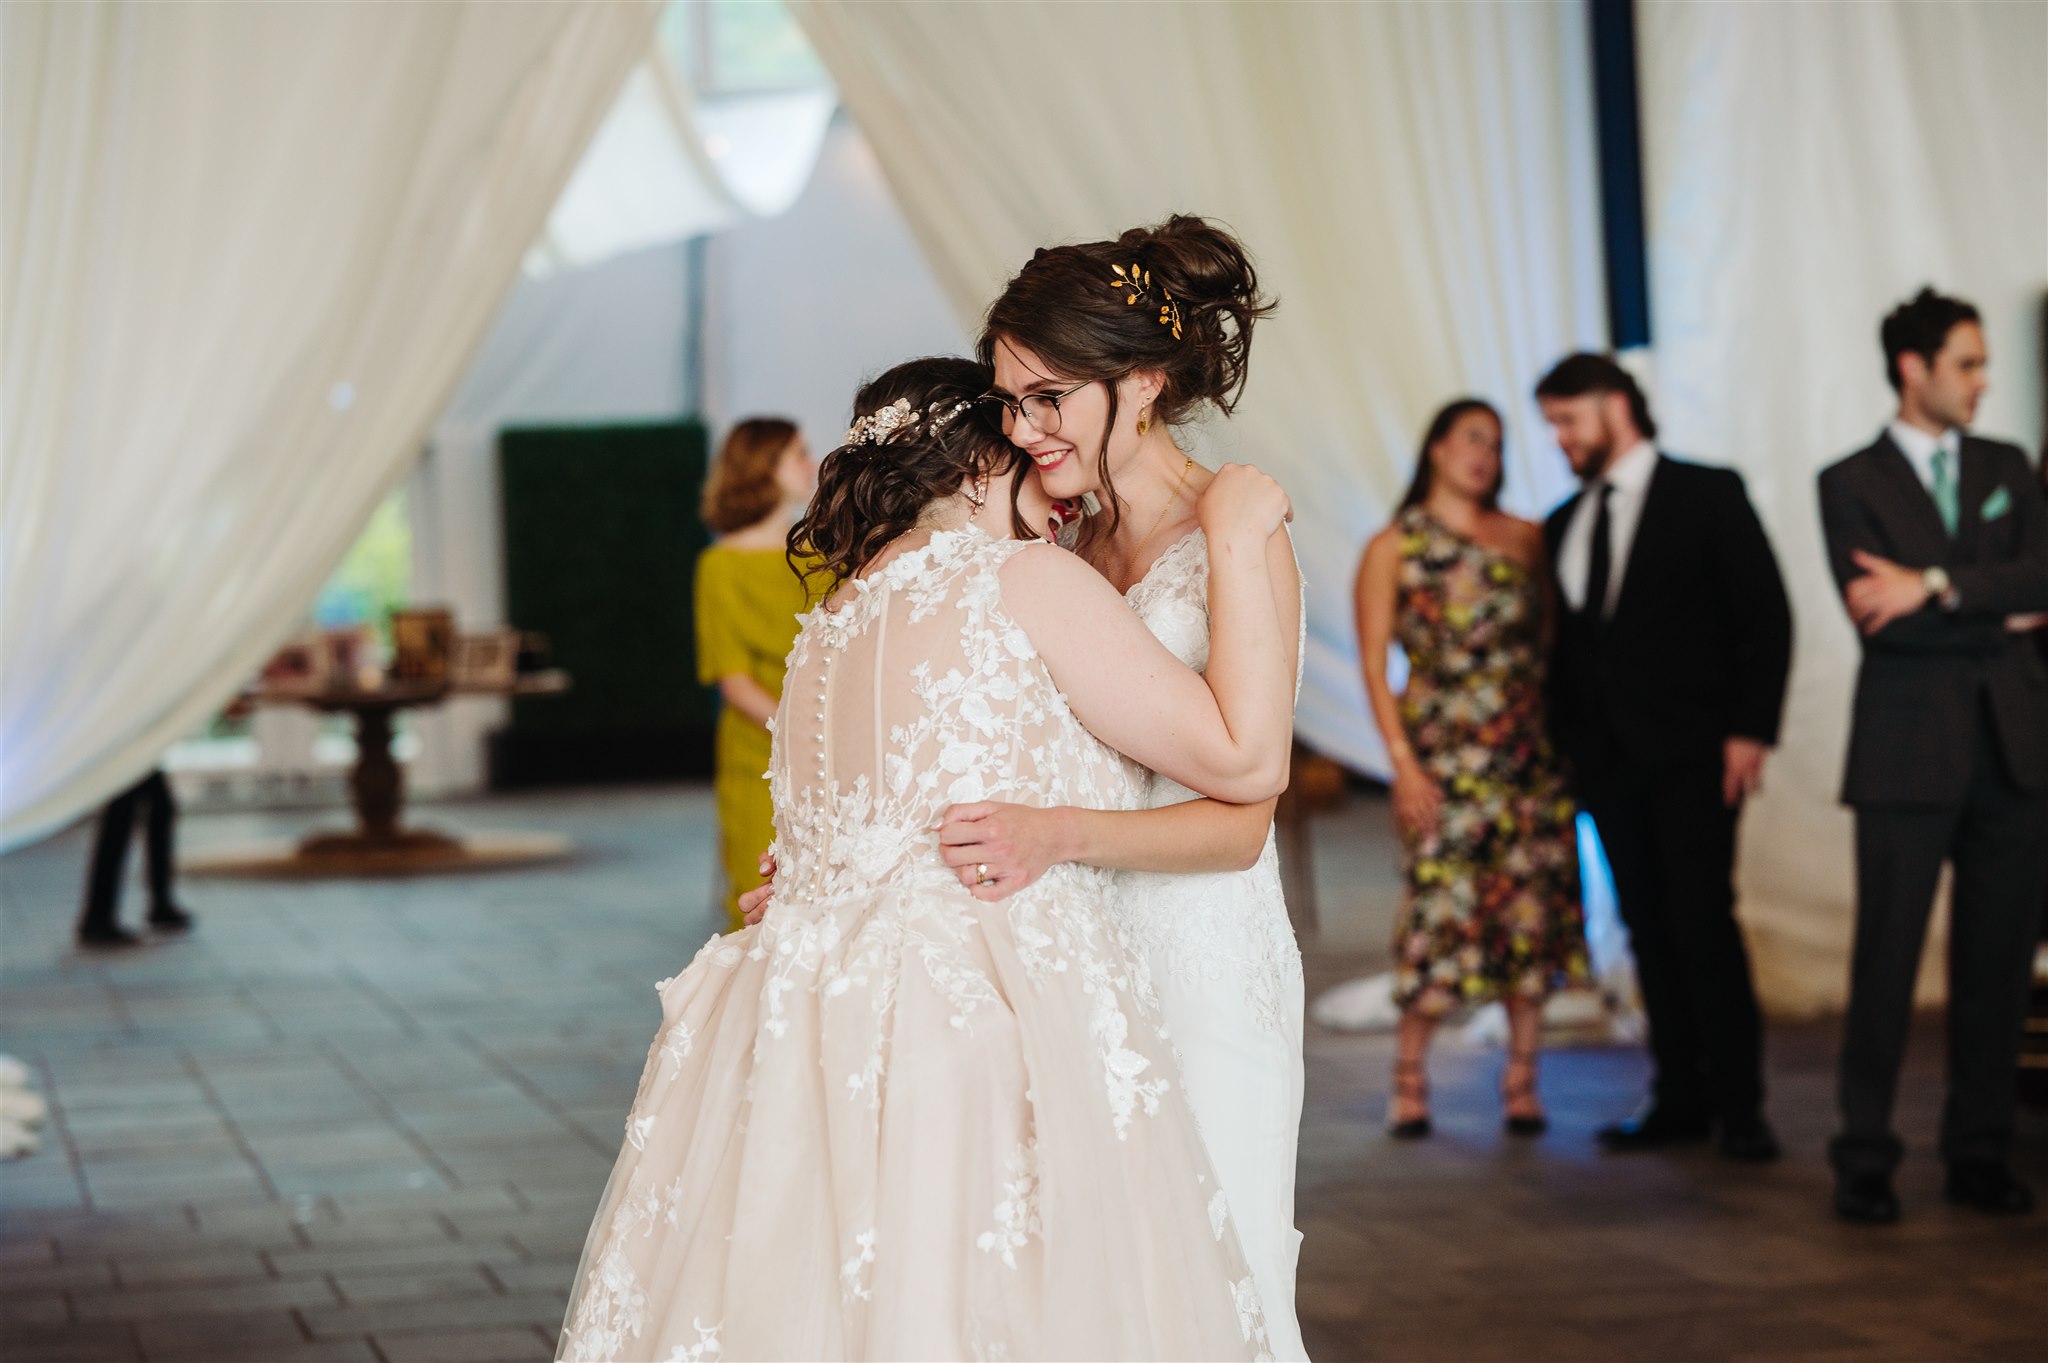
(1171, 498)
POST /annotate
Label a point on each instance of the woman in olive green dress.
(1487, 827)
(748, 600)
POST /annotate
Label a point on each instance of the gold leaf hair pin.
(1136, 284)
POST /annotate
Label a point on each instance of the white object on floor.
(1581, 1014)
(23, 1108)
(1361, 1005)
(20, 1111)
(1367, 1005)
(1486, 1029)
(1629, 1025)
(16, 1140)
(1611, 1011)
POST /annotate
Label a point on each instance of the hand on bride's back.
(1242, 500)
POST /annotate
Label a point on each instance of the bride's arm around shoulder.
(1228, 737)
(1239, 503)
(1290, 607)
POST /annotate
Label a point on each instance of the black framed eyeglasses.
(1042, 410)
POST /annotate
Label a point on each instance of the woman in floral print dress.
(1487, 827)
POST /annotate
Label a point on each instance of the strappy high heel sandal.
(1411, 1086)
(1524, 1110)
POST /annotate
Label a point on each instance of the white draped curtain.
(1416, 182)
(1809, 166)
(645, 180)
(666, 165)
(247, 250)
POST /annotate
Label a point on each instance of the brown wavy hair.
(1575, 376)
(1440, 426)
(870, 493)
(1066, 305)
(741, 489)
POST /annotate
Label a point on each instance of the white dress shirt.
(1629, 476)
(1919, 447)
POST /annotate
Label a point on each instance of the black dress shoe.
(1653, 1130)
(1988, 1186)
(1866, 1199)
(107, 936)
(168, 917)
(1748, 1140)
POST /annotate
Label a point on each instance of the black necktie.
(1602, 566)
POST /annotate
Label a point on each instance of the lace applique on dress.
(1211, 927)
(1016, 1216)
(882, 1038)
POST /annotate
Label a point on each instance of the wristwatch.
(1940, 590)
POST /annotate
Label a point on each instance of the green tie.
(1945, 489)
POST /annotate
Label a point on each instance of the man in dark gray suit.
(1939, 540)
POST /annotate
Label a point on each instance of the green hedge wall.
(601, 542)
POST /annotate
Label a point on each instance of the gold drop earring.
(1144, 421)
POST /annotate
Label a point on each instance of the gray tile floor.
(369, 1120)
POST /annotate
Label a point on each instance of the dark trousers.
(110, 850)
(1670, 842)
(1998, 839)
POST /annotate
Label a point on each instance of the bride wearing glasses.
(894, 1120)
(1099, 352)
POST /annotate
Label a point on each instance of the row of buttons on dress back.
(824, 686)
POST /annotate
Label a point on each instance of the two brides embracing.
(1010, 1065)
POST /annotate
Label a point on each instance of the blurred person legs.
(99, 924)
(1995, 839)
(1670, 840)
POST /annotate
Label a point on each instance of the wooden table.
(381, 843)
(1314, 784)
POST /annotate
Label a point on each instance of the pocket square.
(1996, 505)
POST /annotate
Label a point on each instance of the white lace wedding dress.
(1228, 972)
(893, 1122)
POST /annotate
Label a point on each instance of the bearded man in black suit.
(1666, 686)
